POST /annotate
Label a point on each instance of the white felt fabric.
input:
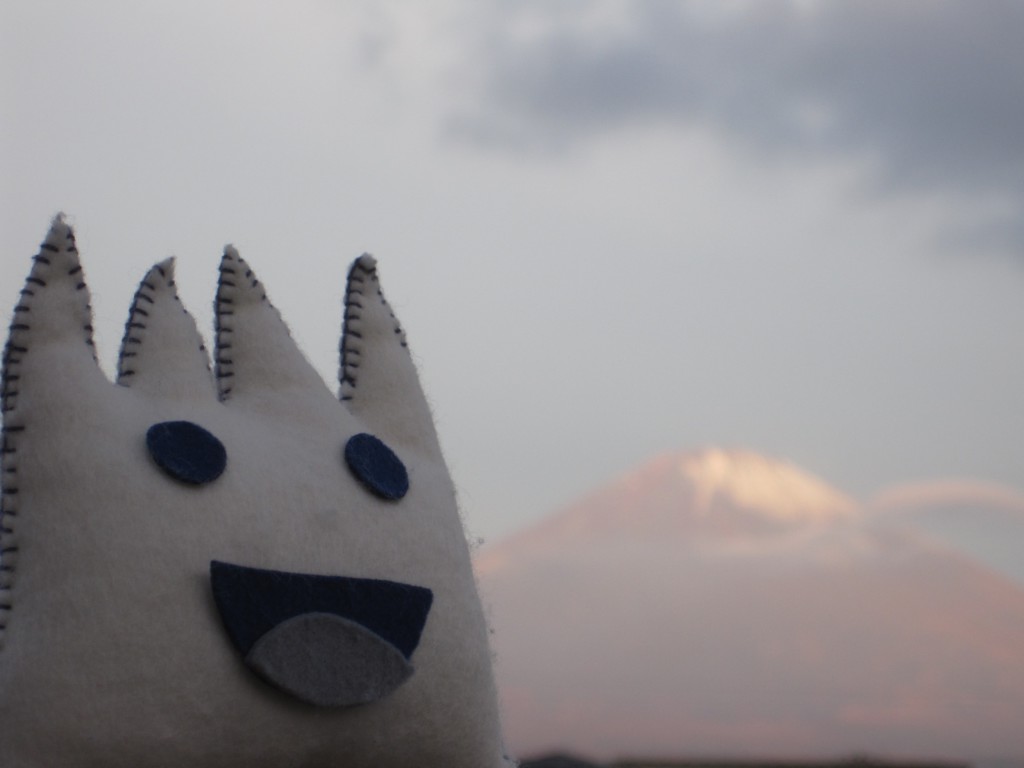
(175, 366)
(113, 653)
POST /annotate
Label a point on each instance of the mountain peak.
(771, 488)
(722, 490)
(714, 492)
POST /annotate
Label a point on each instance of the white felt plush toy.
(230, 568)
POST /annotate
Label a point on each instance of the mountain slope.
(983, 520)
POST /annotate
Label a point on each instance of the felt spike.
(54, 305)
(50, 341)
(162, 352)
(52, 314)
(256, 359)
(378, 379)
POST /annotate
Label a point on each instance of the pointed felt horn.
(50, 343)
(162, 352)
(256, 360)
(54, 304)
(378, 379)
(53, 315)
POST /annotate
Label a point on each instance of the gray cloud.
(930, 92)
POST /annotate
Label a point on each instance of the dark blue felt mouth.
(296, 630)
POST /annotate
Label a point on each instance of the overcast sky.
(610, 229)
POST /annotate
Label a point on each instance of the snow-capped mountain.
(711, 494)
(725, 603)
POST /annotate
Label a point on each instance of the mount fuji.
(724, 603)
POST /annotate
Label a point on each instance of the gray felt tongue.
(327, 660)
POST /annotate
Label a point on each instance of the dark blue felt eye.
(186, 451)
(376, 466)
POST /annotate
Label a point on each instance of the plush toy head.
(231, 568)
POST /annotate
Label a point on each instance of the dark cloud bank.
(930, 92)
